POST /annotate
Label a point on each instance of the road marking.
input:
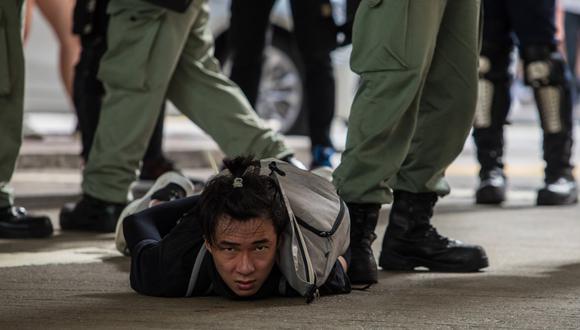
(512, 195)
(67, 256)
(527, 170)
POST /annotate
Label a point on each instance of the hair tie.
(238, 183)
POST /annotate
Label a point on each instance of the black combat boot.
(559, 189)
(492, 180)
(16, 223)
(411, 241)
(363, 220)
(91, 214)
(559, 185)
(492, 186)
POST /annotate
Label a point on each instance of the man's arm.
(158, 246)
(338, 281)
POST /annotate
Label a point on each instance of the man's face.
(244, 253)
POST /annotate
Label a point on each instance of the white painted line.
(67, 256)
(520, 195)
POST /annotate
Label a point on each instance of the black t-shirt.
(162, 264)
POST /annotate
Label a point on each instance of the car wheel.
(281, 98)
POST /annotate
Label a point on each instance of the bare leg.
(28, 18)
(59, 14)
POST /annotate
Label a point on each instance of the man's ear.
(207, 245)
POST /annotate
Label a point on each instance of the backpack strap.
(195, 271)
(274, 174)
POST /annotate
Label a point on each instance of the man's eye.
(261, 248)
(228, 249)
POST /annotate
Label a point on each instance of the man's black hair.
(253, 196)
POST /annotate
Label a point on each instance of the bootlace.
(432, 234)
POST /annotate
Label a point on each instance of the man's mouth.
(245, 285)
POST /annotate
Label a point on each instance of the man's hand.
(343, 263)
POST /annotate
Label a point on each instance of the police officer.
(411, 115)
(14, 221)
(529, 24)
(90, 23)
(315, 33)
(154, 53)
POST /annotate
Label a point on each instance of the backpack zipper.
(305, 260)
(330, 232)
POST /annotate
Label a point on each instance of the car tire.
(281, 99)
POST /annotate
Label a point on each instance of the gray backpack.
(317, 234)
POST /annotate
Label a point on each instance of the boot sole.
(546, 198)
(34, 232)
(395, 262)
(489, 196)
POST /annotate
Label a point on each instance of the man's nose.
(245, 265)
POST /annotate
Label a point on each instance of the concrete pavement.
(533, 283)
(78, 280)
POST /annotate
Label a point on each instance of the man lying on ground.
(239, 218)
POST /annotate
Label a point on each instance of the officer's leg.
(11, 95)
(316, 36)
(548, 74)
(136, 70)
(571, 27)
(14, 223)
(88, 91)
(445, 117)
(246, 40)
(154, 161)
(494, 101)
(216, 104)
(384, 112)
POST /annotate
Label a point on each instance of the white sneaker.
(142, 203)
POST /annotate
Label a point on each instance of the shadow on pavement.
(121, 263)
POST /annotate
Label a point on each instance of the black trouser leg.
(155, 148)
(493, 106)
(88, 91)
(316, 37)
(246, 41)
(554, 97)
